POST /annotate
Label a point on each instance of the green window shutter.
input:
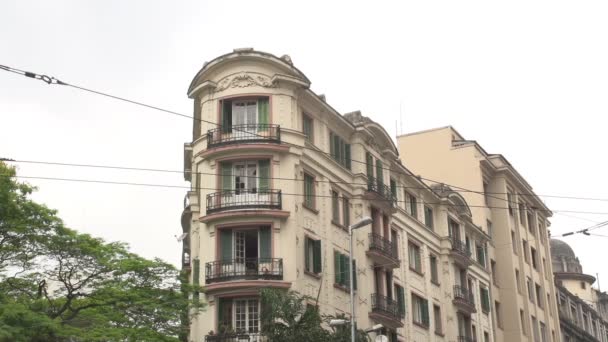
(316, 256)
(354, 270)
(347, 158)
(369, 164)
(425, 312)
(226, 176)
(264, 179)
(224, 313)
(344, 270)
(226, 116)
(196, 273)
(332, 151)
(309, 191)
(337, 271)
(226, 245)
(265, 243)
(263, 114)
(337, 147)
(379, 173)
(307, 242)
(401, 300)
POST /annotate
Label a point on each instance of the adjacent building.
(504, 205)
(277, 175)
(583, 310)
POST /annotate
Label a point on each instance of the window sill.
(342, 287)
(439, 333)
(485, 311)
(416, 271)
(313, 210)
(339, 225)
(435, 283)
(314, 275)
(421, 325)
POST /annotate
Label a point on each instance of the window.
(517, 281)
(312, 255)
(339, 150)
(239, 315)
(434, 273)
(428, 217)
(535, 329)
(420, 311)
(494, 272)
(369, 166)
(510, 203)
(549, 304)
(412, 205)
(400, 299)
(524, 245)
(342, 271)
(539, 296)
(415, 259)
(481, 254)
(486, 196)
(484, 294)
(545, 268)
(513, 242)
(523, 322)
(393, 185)
(250, 115)
(530, 223)
(309, 191)
(437, 319)
(307, 128)
(467, 243)
(543, 332)
(498, 314)
(534, 260)
(490, 230)
(530, 290)
(583, 285)
(345, 211)
(522, 213)
(454, 229)
(335, 207)
(486, 336)
(244, 177)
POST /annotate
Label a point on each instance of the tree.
(286, 317)
(60, 285)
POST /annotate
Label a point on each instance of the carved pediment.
(243, 80)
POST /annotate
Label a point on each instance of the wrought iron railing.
(236, 337)
(244, 268)
(247, 133)
(376, 185)
(463, 294)
(460, 247)
(243, 199)
(387, 306)
(463, 338)
(383, 245)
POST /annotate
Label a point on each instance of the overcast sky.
(527, 79)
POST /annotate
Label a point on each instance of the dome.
(564, 260)
(560, 248)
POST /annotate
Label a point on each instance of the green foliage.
(287, 318)
(60, 285)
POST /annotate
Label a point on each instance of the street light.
(362, 223)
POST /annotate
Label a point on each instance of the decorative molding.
(243, 80)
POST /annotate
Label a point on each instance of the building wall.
(250, 74)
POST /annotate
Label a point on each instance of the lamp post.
(362, 223)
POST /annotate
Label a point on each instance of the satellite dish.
(181, 237)
(381, 338)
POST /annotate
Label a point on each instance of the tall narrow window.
(524, 245)
(413, 205)
(312, 255)
(307, 128)
(486, 195)
(420, 311)
(415, 261)
(335, 207)
(434, 271)
(510, 203)
(517, 281)
(428, 217)
(400, 293)
(513, 242)
(494, 272)
(342, 270)
(345, 211)
(490, 230)
(437, 319)
(534, 258)
(484, 293)
(339, 150)
(498, 314)
(309, 191)
(522, 321)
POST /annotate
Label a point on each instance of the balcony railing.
(383, 304)
(244, 269)
(248, 133)
(243, 199)
(236, 337)
(460, 248)
(462, 338)
(376, 185)
(463, 294)
(383, 245)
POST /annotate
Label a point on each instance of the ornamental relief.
(243, 80)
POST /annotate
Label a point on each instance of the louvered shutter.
(226, 116)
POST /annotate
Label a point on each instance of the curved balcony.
(229, 203)
(383, 251)
(386, 311)
(244, 273)
(236, 337)
(247, 133)
(463, 299)
(378, 191)
(459, 252)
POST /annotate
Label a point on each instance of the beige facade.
(277, 175)
(504, 204)
(583, 310)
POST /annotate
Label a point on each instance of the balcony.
(383, 251)
(462, 338)
(463, 299)
(460, 253)
(236, 337)
(386, 311)
(244, 269)
(243, 134)
(243, 199)
(378, 191)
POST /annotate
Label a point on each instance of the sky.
(527, 79)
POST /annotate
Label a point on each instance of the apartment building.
(503, 203)
(583, 310)
(277, 175)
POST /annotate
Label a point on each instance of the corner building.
(516, 220)
(277, 176)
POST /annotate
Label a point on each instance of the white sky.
(528, 79)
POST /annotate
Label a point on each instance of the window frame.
(428, 217)
(417, 267)
(310, 136)
(434, 269)
(313, 202)
(418, 311)
(310, 261)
